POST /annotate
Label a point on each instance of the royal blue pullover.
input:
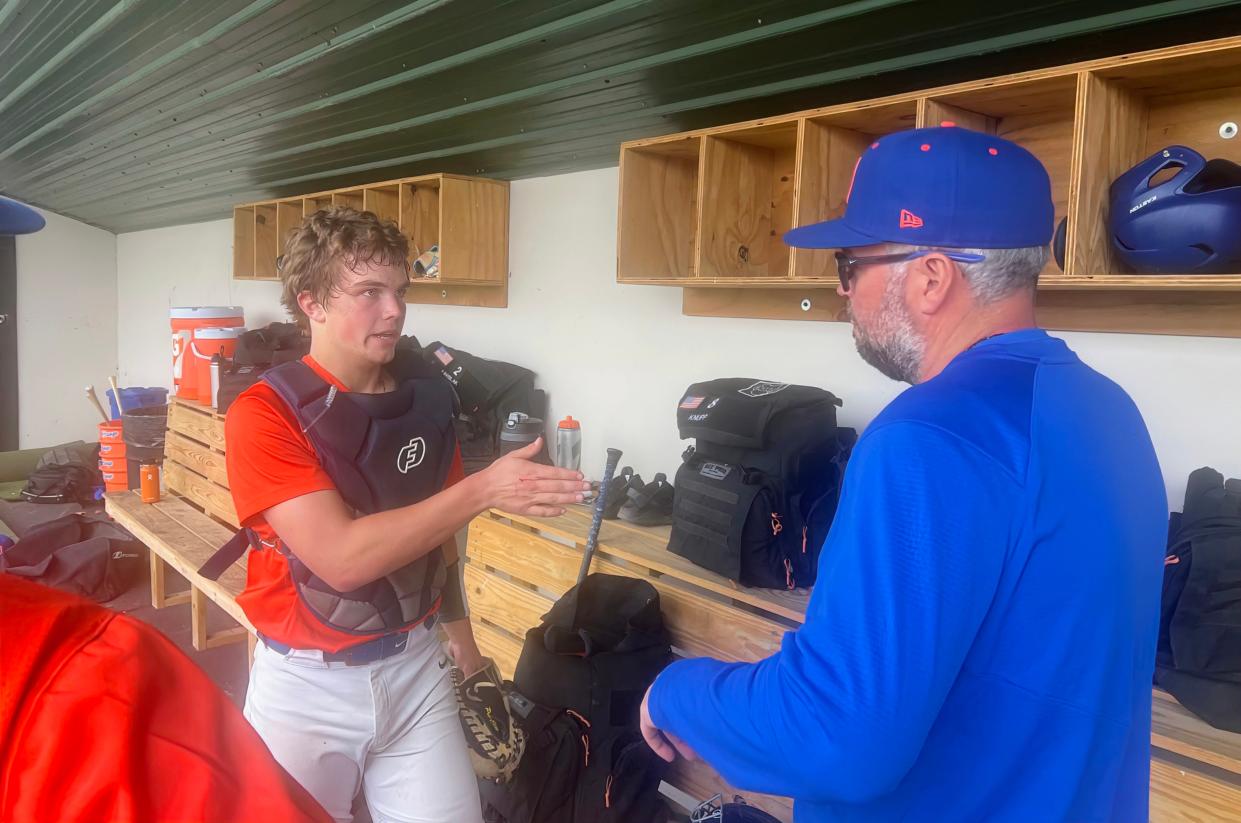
(980, 642)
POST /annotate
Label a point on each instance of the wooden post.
(159, 597)
(198, 619)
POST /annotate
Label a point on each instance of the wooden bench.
(194, 517)
(518, 565)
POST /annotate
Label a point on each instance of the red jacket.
(103, 719)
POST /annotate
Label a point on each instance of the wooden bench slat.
(699, 625)
(650, 551)
(1185, 796)
(197, 407)
(210, 530)
(503, 603)
(210, 496)
(196, 425)
(525, 556)
(499, 646)
(196, 457)
(1175, 729)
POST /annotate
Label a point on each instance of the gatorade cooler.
(206, 343)
(184, 321)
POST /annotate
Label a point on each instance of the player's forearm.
(378, 544)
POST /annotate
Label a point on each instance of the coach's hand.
(517, 484)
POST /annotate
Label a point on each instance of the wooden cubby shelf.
(705, 211)
(466, 217)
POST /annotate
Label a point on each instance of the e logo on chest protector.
(411, 455)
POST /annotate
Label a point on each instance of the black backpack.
(65, 474)
(757, 492)
(586, 669)
(1198, 656)
(488, 391)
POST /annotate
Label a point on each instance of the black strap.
(227, 555)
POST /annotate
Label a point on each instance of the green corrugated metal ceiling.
(134, 114)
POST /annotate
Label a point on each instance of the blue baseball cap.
(18, 218)
(944, 186)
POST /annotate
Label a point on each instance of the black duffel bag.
(83, 553)
(756, 493)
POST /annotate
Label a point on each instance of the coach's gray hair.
(1001, 273)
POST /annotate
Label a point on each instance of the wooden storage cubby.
(313, 203)
(383, 201)
(350, 197)
(243, 242)
(473, 237)
(830, 147)
(266, 241)
(747, 202)
(288, 218)
(1037, 115)
(467, 217)
(1131, 111)
(704, 210)
(418, 205)
(659, 211)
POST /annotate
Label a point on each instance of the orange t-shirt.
(270, 461)
(102, 718)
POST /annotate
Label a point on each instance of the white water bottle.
(569, 444)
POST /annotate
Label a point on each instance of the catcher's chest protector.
(382, 451)
(586, 669)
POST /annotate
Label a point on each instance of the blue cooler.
(137, 397)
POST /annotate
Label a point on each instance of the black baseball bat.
(592, 536)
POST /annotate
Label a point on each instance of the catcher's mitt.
(494, 741)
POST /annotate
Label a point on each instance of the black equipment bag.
(586, 669)
(756, 493)
(1198, 656)
(487, 391)
(271, 345)
(65, 474)
(83, 553)
(257, 351)
(234, 379)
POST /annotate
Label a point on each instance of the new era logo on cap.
(909, 220)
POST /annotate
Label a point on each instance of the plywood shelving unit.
(704, 211)
(467, 217)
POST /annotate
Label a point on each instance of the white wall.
(618, 357)
(66, 329)
(180, 266)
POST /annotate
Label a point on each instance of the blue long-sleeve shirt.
(980, 642)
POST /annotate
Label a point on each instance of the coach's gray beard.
(889, 341)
